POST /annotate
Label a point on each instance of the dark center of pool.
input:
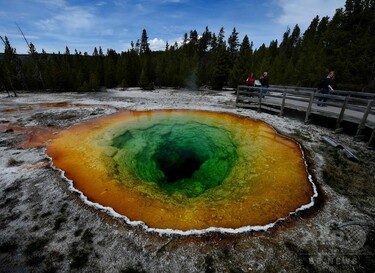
(187, 158)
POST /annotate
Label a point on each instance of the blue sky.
(54, 24)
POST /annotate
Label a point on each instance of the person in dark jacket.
(264, 81)
(326, 87)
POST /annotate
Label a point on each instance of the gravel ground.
(44, 227)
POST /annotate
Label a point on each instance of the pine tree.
(345, 43)
(133, 68)
(146, 80)
(265, 60)
(110, 63)
(52, 72)
(121, 70)
(310, 66)
(233, 45)
(202, 71)
(33, 69)
(144, 46)
(243, 65)
(220, 68)
(221, 38)
(11, 67)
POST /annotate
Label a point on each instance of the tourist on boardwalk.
(264, 81)
(250, 80)
(326, 87)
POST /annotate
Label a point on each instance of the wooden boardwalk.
(354, 107)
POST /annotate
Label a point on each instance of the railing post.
(308, 110)
(364, 118)
(371, 140)
(282, 104)
(238, 92)
(341, 116)
(260, 100)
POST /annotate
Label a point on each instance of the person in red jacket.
(250, 80)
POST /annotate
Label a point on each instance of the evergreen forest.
(344, 43)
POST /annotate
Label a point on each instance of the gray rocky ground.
(44, 227)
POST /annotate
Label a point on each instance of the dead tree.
(38, 73)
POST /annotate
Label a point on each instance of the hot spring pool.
(185, 171)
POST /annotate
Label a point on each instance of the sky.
(82, 25)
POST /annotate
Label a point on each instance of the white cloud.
(302, 12)
(102, 3)
(69, 20)
(141, 8)
(75, 18)
(173, 1)
(56, 3)
(47, 24)
(157, 44)
(117, 22)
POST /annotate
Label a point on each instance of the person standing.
(326, 87)
(250, 80)
(264, 82)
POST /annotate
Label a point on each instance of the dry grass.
(301, 136)
(350, 179)
(13, 162)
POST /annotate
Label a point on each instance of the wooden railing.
(355, 107)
